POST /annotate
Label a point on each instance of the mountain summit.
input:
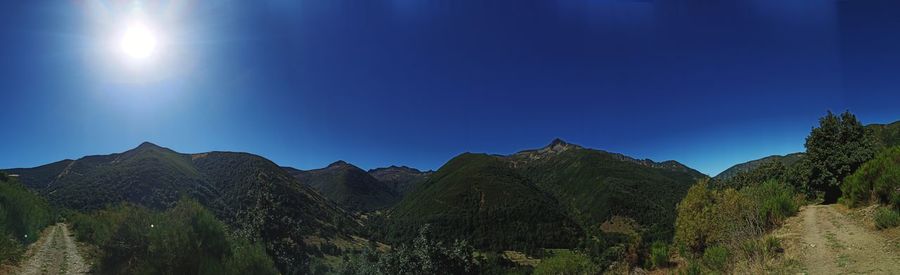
(250, 193)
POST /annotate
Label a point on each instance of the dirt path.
(825, 241)
(54, 253)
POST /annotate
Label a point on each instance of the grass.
(886, 218)
(833, 241)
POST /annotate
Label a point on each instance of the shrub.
(186, 239)
(708, 217)
(693, 223)
(22, 217)
(692, 269)
(716, 257)
(567, 262)
(775, 202)
(886, 218)
(659, 254)
(424, 256)
(877, 180)
(773, 245)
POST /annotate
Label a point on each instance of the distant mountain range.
(254, 196)
(886, 135)
(543, 197)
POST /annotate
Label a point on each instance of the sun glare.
(138, 42)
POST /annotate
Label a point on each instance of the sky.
(417, 82)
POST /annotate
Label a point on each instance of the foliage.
(425, 256)
(775, 202)
(729, 218)
(659, 254)
(481, 199)
(835, 149)
(877, 180)
(887, 218)
(22, 217)
(566, 262)
(186, 239)
(255, 197)
(349, 186)
(716, 257)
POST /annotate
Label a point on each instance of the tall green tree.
(835, 149)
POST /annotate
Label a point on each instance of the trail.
(828, 242)
(54, 253)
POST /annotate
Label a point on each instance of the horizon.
(416, 83)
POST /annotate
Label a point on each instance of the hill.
(596, 185)
(401, 179)
(886, 135)
(558, 184)
(348, 186)
(786, 160)
(255, 197)
(482, 199)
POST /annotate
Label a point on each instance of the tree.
(835, 149)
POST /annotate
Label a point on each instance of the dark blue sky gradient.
(416, 82)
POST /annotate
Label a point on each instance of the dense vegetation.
(481, 199)
(252, 195)
(22, 217)
(742, 168)
(186, 239)
(349, 186)
(877, 181)
(424, 255)
(834, 150)
(720, 226)
(401, 179)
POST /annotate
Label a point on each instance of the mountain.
(348, 186)
(557, 185)
(250, 193)
(787, 160)
(401, 179)
(887, 135)
(596, 185)
(482, 199)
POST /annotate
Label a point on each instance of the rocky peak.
(339, 163)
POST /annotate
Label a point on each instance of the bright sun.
(138, 42)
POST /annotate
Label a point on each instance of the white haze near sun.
(143, 60)
(136, 43)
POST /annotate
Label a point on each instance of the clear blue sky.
(416, 82)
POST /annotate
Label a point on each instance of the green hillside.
(401, 179)
(887, 135)
(482, 199)
(596, 185)
(558, 184)
(786, 160)
(254, 196)
(348, 186)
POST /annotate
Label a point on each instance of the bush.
(877, 180)
(659, 254)
(567, 262)
(22, 217)
(775, 202)
(424, 256)
(886, 218)
(708, 217)
(716, 257)
(186, 239)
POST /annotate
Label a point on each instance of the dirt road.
(54, 253)
(825, 241)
